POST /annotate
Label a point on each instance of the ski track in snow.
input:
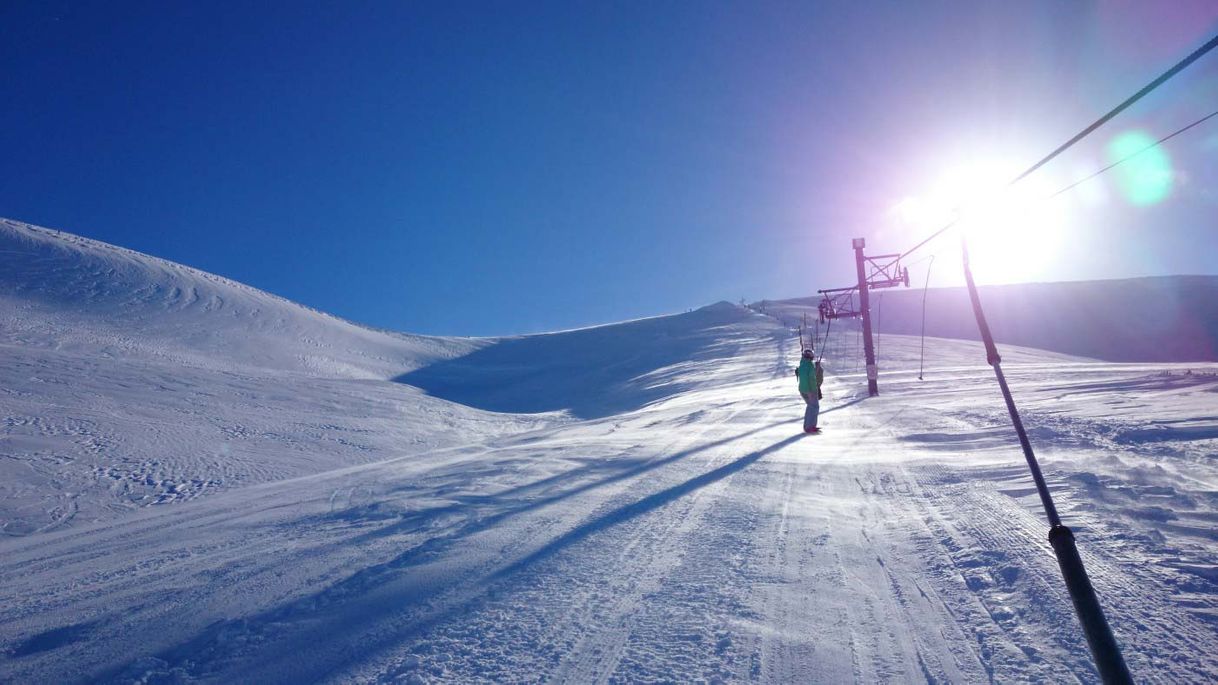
(357, 530)
(696, 540)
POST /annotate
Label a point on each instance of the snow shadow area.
(600, 371)
(53, 639)
(404, 598)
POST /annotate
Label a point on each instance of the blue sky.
(485, 168)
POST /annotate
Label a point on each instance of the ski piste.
(301, 499)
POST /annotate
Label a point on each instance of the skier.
(810, 376)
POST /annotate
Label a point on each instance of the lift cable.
(1130, 156)
(1146, 90)
(1073, 184)
(1175, 69)
(825, 341)
(922, 351)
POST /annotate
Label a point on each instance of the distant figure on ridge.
(810, 378)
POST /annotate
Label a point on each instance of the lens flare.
(1013, 233)
(1145, 179)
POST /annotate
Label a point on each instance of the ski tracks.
(697, 540)
(647, 587)
(848, 600)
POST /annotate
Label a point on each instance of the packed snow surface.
(202, 482)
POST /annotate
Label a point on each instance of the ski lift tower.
(880, 271)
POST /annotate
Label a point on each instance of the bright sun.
(1013, 234)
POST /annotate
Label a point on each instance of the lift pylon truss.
(837, 304)
(885, 271)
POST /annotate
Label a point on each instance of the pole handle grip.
(1103, 644)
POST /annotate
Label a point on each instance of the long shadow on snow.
(643, 506)
(852, 402)
(321, 617)
(506, 504)
(591, 372)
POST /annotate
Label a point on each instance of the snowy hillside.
(129, 380)
(71, 294)
(133, 381)
(1163, 319)
(598, 371)
(218, 485)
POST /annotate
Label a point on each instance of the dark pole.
(864, 304)
(1103, 644)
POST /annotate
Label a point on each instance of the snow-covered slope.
(133, 381)
(129, 380)
(72, 294)
(603, 370)
(664, 519)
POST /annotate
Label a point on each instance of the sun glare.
(1013, 234)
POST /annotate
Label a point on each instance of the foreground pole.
(1104, 648)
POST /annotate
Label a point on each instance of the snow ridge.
(66, 292)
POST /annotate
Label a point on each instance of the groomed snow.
(659, 518)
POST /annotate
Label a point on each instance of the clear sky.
(498, 167)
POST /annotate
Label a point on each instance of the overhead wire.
(1130, 156)
(922, 346)
(1146, 90)
(825, 341)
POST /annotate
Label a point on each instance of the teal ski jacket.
(807, 376)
